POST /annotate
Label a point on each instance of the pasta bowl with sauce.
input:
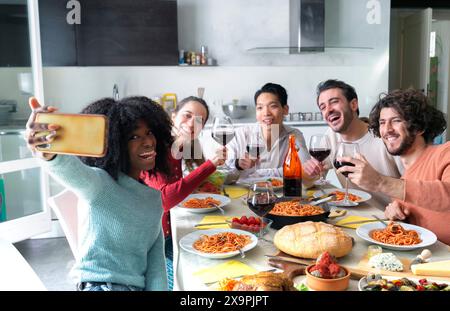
(426, 237)
(286, 213)
(214, 243)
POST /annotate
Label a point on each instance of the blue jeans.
(105, 287)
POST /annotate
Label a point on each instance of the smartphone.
(79, 134)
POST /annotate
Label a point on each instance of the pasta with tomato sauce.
(395, 234)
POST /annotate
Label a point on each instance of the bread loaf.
(310, 239)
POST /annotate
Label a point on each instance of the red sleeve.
(175, 192)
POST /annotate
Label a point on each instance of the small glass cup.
(373, 250)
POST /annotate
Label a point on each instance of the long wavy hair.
(123, 117)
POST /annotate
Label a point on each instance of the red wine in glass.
(260, 204)
(339, 164)
(223, 137)
(320, 154)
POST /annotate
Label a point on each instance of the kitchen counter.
(13, 125)
(246, 121)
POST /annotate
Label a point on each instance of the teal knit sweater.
(121, 239)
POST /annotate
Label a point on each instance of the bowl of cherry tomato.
(251, 224)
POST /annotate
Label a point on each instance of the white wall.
(231, 27)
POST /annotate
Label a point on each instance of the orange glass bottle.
(292, 171)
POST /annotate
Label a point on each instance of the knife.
(360, 221)
(421, 258)
(355, 274)
(212, 224)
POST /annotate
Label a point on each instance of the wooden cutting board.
(355, 273)
(364, 265)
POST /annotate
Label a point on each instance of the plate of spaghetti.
(200, 203)
(218, 243)
(396, 236)
(355, 195)
(288, 211)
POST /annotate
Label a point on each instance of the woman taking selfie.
(121, 241)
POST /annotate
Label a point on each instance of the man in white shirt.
(338, 104)
(271, 107)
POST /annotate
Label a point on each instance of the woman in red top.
(188, 119)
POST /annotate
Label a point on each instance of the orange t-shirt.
(427, 191)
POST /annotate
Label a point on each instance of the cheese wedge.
(437, 268)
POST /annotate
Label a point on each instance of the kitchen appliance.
(235, 110)
(169, 101)
(7, 107)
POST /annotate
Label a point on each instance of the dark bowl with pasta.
(289, 211)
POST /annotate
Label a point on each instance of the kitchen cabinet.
(110, 33)
(14, 36)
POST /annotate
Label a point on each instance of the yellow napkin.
(236, 192)
(309, 193)
(229, 269)
(213, 218)
(351, 219)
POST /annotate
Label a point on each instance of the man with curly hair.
(407, 124)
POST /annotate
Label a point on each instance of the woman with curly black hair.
(121, 240)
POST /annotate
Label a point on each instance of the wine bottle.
(292, 171)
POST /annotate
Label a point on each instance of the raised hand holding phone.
(77, 134)
(34, 128)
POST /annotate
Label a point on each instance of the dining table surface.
(186, 264)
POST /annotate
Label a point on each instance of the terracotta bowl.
(320, 284)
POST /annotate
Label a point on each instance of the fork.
(218, 207)
(224, 192)
(380, 220)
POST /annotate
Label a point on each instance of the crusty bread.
(265, 281)
(310, 239)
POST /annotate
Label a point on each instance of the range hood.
(306, 28)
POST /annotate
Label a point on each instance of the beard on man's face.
(406, 143)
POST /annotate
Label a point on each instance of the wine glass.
(346, 150)
(222, 130)
(255, 144)
(320, 149)
(261, 200)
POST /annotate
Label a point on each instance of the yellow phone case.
(79, 134)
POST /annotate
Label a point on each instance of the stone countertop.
(246, 121)
(13, 126)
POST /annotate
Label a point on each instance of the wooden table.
(185, 263)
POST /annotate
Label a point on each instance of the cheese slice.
(437, 268)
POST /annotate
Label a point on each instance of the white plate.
(188, 240)
(223, 201)
(363, 281)
(427, 237)
(362, 194)
(247, 182)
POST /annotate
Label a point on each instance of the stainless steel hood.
(306, 29)
(306, 26)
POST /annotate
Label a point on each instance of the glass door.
(23, 185)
